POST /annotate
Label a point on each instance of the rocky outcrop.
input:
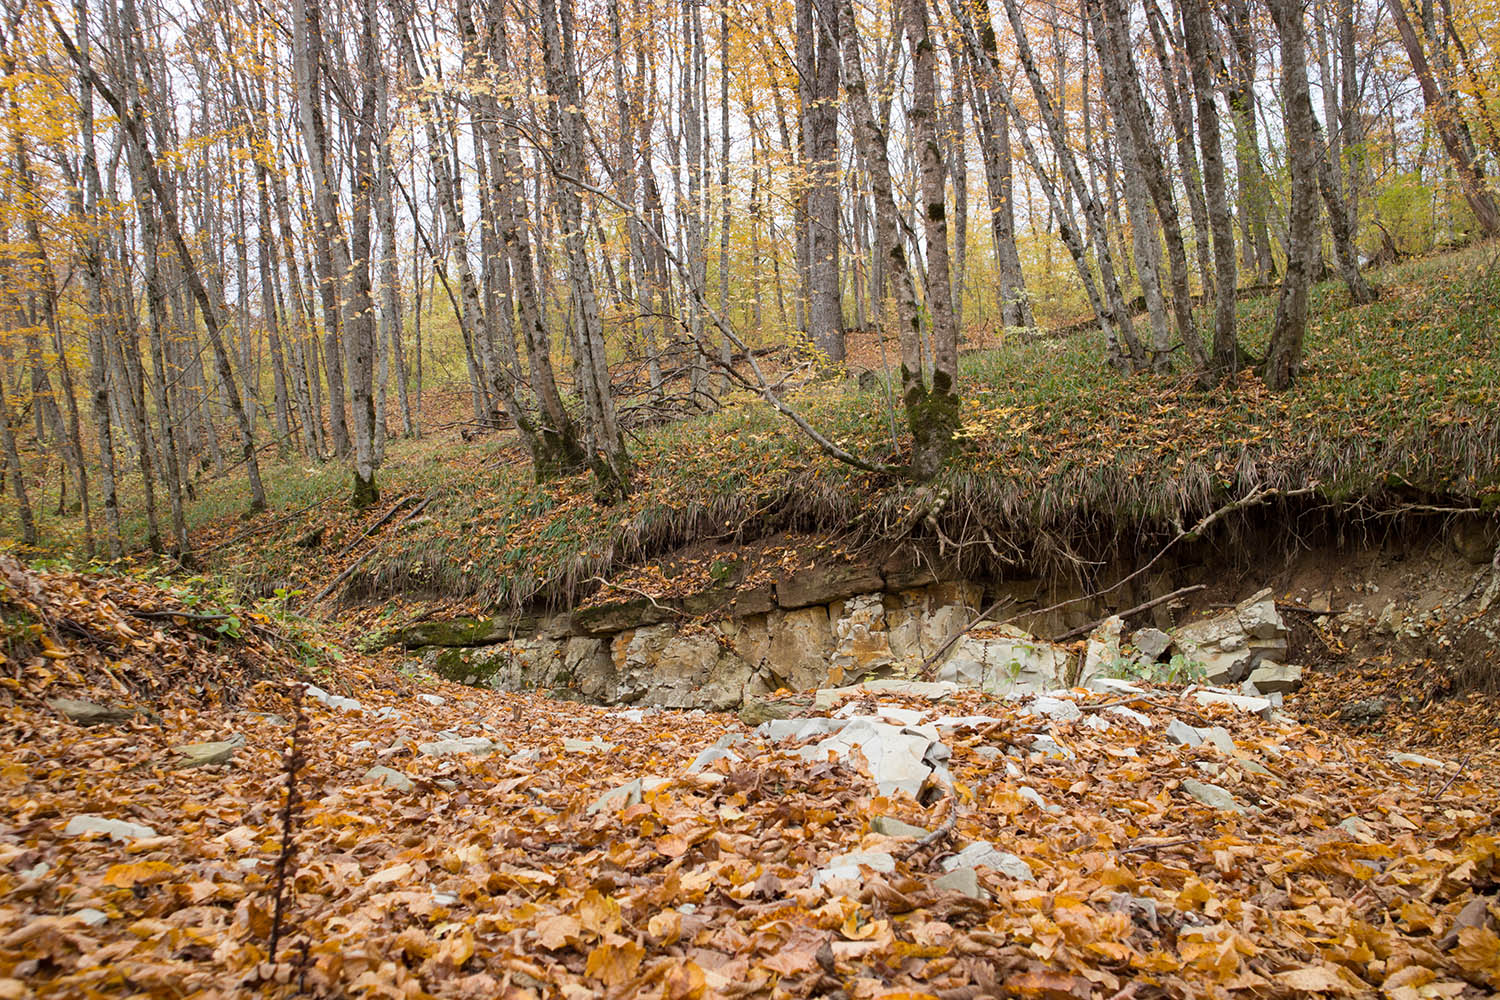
(810, 632)
(1233, 644)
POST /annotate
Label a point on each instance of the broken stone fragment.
(1271, 677)
(1103, 648)
(115, 829)
(90, 917)
(983, 854)
(336, 702)
(964, 880)
(710, 755)
(204, 754)
(889, 826)
(1150, 643)
(87, 713)
(1181, 733)
(1232, 644)
(847, 866)
(626, 795)
(1417, 760)
(1212, 796)
(389, 777)
(1056, 709)
(1242, 702)
(477, 745)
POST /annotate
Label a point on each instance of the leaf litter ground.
(1348, 873)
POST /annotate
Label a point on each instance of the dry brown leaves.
(489, 878)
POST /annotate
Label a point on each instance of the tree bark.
(1284, 356)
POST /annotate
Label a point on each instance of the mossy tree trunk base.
(366, 493)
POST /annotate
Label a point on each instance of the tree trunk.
(608, 458)
(1446, 118)
(933, 415)
(1197, 38)
(1284, 356)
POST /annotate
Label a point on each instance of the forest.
(705, 499)
(234, 235)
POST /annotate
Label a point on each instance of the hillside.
(1064, 460)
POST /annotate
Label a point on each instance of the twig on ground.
(639, 593)
(395, 508)
(348, 570)
(937, 836)
(1147, 606)
(284, 860)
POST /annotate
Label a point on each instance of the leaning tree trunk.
(17, 474)
(1445, 118)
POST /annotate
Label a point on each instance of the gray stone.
(900, 758)
(660, 665)
(1240, 702)
(476, 745)
(626, 795)
(1181, 733)
(389, 777)
(1103, 648)
(1049, 747)
(964, 880)
(1255, 767)
(1363, 712)
(1144, 721)
(1011, 662)
(1232, 644)
(115, 829)
(87, 713)
(787, 730)
(90, 917)
(1033, 796)
(1150, 643)
(204, 754)
(827, 583)
(710, 755)
(1113, 685)
(983, 854)
(826, 698)
(571, 745)
(1219, 737)
(337, 702)
(848, 866)
(1212, 796)
(1417, 760)
(432, 699)
(891, 827)
(1057, 709)
(761, 710)
(1271, 677)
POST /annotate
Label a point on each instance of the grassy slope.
(1403, 393)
